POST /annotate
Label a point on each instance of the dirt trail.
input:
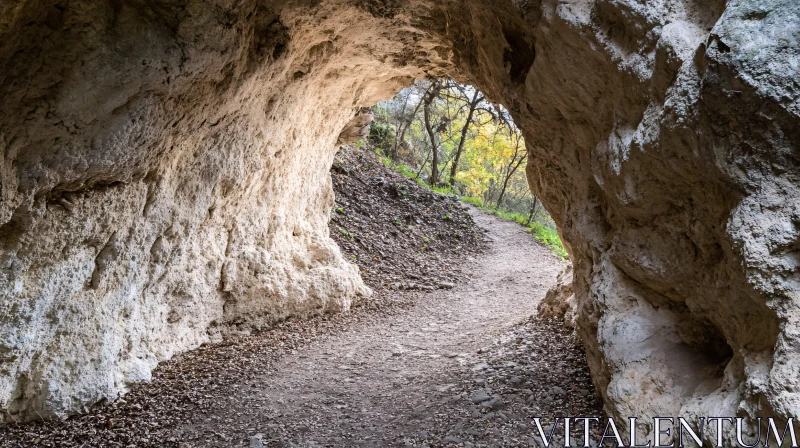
(405, 380)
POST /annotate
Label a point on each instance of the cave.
(164, 179)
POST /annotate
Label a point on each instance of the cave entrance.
(447, 138)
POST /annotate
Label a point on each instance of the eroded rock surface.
(664, 141)
(559, 302)
(164, 179)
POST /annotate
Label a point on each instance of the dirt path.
(413, 379)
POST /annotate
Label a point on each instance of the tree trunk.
(405, 126)
(502, 192)
(476, 99)
(434, 152)
(397, 130)
(512, 168)
(534, 206)
(422, 167)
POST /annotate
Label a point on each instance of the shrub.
(381, 136)
(549, 237)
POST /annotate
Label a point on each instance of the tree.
(404, 120)
(534, 209)
(472, 104)
(520, 155)
(432, 93)
(445, 127)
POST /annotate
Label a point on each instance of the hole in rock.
(449, 139)
(706, 339)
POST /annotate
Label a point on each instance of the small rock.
(555, 390)
(451, 399)
(479, 396)
(494, 402)
(451, 439)
(257, 441)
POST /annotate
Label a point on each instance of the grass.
(448, 190)
(403, 169)
(407, 171)
(549, 237)
(477, 202)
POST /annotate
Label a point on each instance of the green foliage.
(492, 145)
(474, 200)
(549, 237)
(408, 172)
(403, 169)
(382, 136)
(446, 189)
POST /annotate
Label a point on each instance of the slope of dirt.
(401, 235)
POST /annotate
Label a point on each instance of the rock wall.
(164, 182)
(164, 179)
(664, 140)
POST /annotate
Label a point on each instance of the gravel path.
(430, 376)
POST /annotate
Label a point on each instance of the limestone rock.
(559, 302)
(356, 129)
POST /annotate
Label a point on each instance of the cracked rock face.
(664, 139)
(164, 179)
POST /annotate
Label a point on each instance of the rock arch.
(164, 179)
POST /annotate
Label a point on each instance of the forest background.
(450, 138)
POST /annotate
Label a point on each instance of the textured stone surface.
(664, 141)
(164, 179)
(559, 302)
